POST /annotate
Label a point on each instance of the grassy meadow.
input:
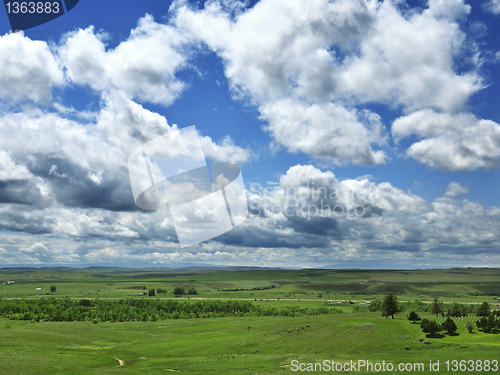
(242, 345)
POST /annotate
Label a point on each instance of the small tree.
(192, 291)
(413, 316)
(151, 293)
(484, 309)
(430, 327)
(450, 326)
(53, 289)
(469, 326)
(436, 307)
(390, 306)
(179, 290)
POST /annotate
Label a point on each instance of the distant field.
(461, 285)
(243, 345)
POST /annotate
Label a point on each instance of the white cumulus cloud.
(226, 151)
(307, 65)
(326, 130)
(452, 142)
(454, 189)
(142, 67)
(28, 70)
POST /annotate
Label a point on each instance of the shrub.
(192, 291)
(53, 289)
(469, 326)
(430, 327)
(375, 305)
(358, 308)
(413, 316)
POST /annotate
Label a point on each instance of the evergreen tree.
(481, 323)
(484, 309)
(450, 326)
(490, 323)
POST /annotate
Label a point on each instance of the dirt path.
(120, 362)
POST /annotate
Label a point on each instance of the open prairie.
(243, 344)
(467, 285)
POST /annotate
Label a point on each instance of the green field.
(467, 285)
(242, 345)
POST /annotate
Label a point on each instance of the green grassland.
(257, 345)
(242, 345)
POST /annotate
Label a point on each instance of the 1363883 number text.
(32, 7)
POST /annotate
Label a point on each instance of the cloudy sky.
(367, 131)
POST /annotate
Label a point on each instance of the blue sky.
(393, 103)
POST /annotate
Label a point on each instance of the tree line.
(454, 309)
(124, 310)
(177, 291)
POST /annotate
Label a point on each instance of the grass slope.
(263, 345)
